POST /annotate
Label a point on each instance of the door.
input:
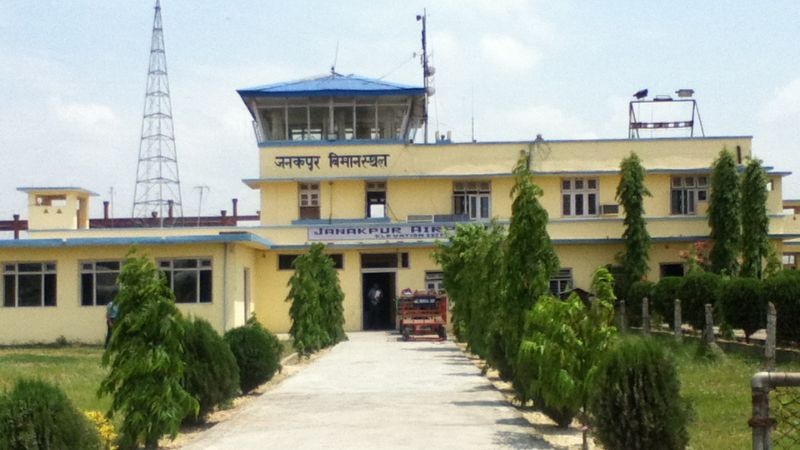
(378, 313)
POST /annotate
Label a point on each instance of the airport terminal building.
(341, 163)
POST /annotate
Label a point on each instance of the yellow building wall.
(343, 199)
(423, 196)
(79, 323)
(279, 203)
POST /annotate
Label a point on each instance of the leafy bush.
(211, 375)
(633, 301)
(561, 346)
(663, 300)
(697, 289)
(145, 358)
(783, 290)
(469, 260)
(316, 312)
(37, 415)
(743, 304)
(257, 353)
(636, 403)
(104, 427)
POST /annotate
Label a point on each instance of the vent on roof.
(609, 209)
(419, 218)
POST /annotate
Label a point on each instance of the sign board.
(379, 232)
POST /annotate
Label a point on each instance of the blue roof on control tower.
(333, 84)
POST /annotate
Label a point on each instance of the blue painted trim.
(329, 143)
(28, 189)
(317, 222)
(137, 240)
(333, 93)
(254, 182)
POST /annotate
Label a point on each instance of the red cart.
(423, 315)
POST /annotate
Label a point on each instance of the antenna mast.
(157, 180)
(427, 71)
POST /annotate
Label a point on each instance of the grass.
(720, 393)
(75, 369)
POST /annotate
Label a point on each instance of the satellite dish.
(431, 90)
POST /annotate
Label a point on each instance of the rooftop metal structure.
(158, 187)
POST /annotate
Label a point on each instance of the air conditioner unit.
(609, 209)
(419, 218)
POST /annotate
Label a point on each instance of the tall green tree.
(724, 215)
(755, 223)
(563, 343)
(630, 193)
(530, 262)
(316, 311)
(144, 358)
(471, 259)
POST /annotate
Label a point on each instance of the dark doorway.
(378, 315)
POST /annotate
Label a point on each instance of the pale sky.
(72, 77)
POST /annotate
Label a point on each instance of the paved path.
(375, 392)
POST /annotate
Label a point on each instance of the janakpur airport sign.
(374, 232)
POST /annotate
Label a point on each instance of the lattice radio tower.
(157, 182)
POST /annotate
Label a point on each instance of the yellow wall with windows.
(87, 323)
(279, 203)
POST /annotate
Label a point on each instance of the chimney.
(170, 205)
(16, 226)
(105, 209)
(235, 202)
(223, 213)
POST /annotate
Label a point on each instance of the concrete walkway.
(376, 392)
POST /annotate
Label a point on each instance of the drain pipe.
(225, 288)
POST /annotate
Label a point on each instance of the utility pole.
(426, 69)
(201, 188)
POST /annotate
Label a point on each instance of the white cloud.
(508, 52)
(87, 116)
(777, 134)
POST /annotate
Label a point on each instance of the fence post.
(646, 316)
(708, 333)
(623, 318)
(678, 324)
(760, 422)
(769, 343)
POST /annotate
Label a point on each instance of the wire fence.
(785, 405)
(776, 411)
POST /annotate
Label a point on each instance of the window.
(579, 196)
(285, 261)
(672, 270)
(99, 282)
(384, 260)
(434, 281)
(687, 191)
(789, 259)
(29, 284)
(376, 199)
(561, 282)
(309, 200)
(189, 279)
(472, 199)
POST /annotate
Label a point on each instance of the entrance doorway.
(381, 315)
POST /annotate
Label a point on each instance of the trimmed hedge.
(664, 295)
(257, 353)
(743, 304)
(636, 403)
(697, 289)
(211, 374)
(633, 301)
(783, 290)
(38, 415)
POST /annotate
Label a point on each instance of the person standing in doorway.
(374, 297)
(112, 310)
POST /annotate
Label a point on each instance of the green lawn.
(75, 369)
(720, 394)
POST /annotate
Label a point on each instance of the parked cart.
(423, 315)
